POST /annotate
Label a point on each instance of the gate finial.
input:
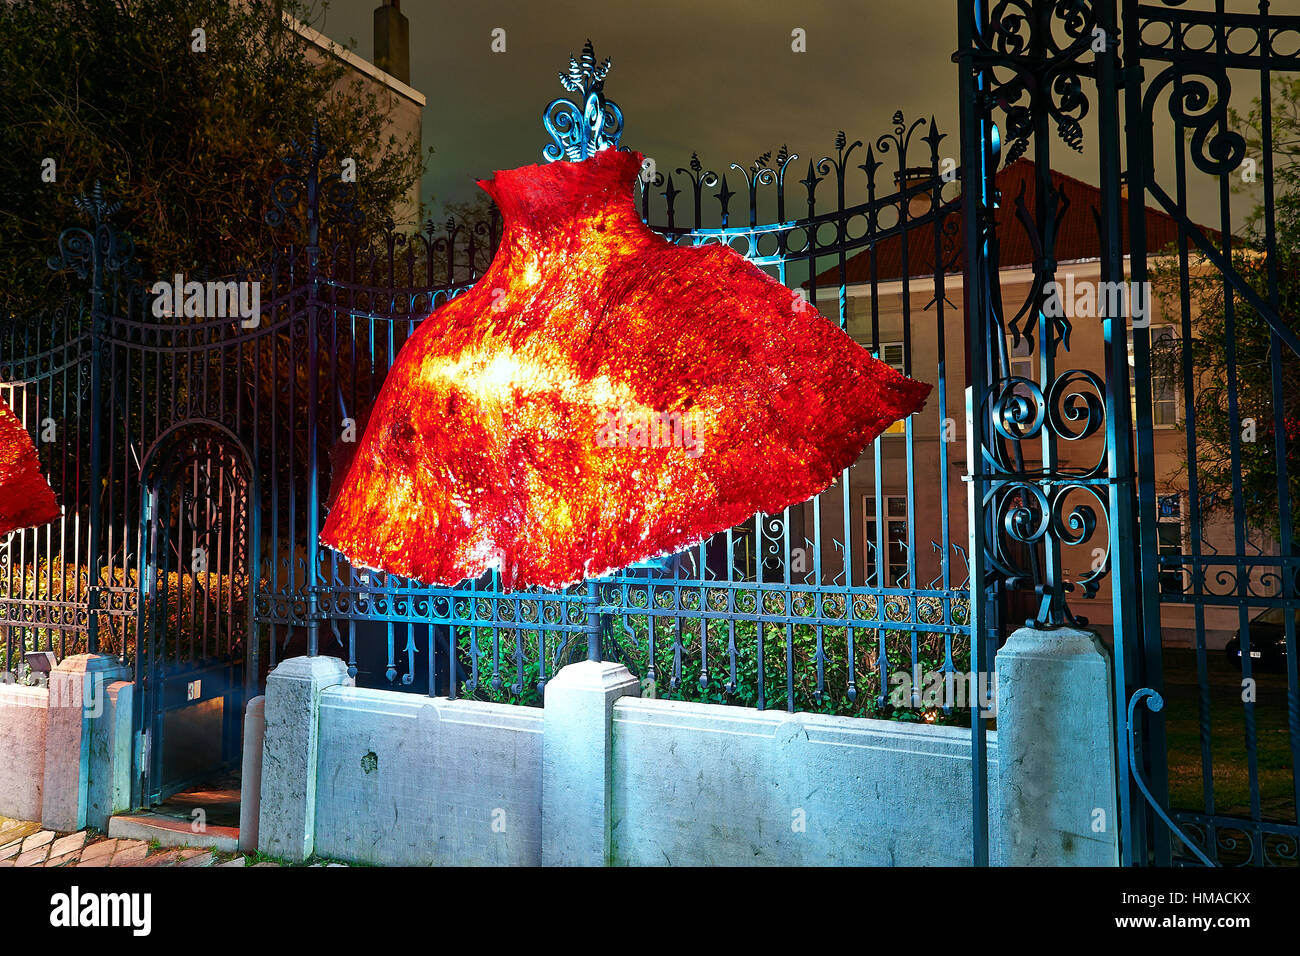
(326, 198)
(588, 124)
(102, 247)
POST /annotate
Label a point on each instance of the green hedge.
(678, 666)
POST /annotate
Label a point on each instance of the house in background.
(920, 328)
(388, 77)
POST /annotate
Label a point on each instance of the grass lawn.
(1227, 728)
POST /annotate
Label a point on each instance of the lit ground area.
(24, 843)
(1228, 740)
(199, 827)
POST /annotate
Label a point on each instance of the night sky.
(716, 77)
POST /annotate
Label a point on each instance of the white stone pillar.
(577, 761)
(111, 739)
(78, 696)
(1056, 751)
(287, 820)
(250, 777)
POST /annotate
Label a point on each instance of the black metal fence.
(792, 610)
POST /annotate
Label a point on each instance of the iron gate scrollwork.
(1032, 503)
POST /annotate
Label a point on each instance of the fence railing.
(813, 608)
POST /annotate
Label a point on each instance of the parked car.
(1267, 640)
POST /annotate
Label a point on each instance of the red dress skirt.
(601, 397)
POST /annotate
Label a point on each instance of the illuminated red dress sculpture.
(26, 499)
(601, 397)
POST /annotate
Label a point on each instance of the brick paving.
(24, 843)
(103, 850)
(30, 858)
(68, 844)
(38, 840)
(128, 852)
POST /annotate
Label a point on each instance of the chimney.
(915, 177)
(393, 41)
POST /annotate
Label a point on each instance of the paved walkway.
(23, 843)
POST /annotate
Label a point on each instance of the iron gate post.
(98, 333)
(313, 392)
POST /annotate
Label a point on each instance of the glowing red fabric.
(601, 397)
(26, 499)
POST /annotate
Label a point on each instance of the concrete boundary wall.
(23, 714)
(65, 749)
(417, 781)
(705, 784)
(600, 776)
(413, 781)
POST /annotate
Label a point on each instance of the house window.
(1169, 540)
(1163, 376)
(1021, 358)
(891, 353)
(894, 541)
(1164, 384)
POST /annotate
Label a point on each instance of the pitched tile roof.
(1077, 238)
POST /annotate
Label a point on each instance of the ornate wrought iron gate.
(1031, 73)
(1229, 354)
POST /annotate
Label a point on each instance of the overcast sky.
(718, 77)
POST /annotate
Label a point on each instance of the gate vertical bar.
(94, 531)
(977, 184)
(144, 592)
(1126, 590)
(316, 150)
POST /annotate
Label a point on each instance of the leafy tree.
(187, 131)
(1244, 448)
(117, 91)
